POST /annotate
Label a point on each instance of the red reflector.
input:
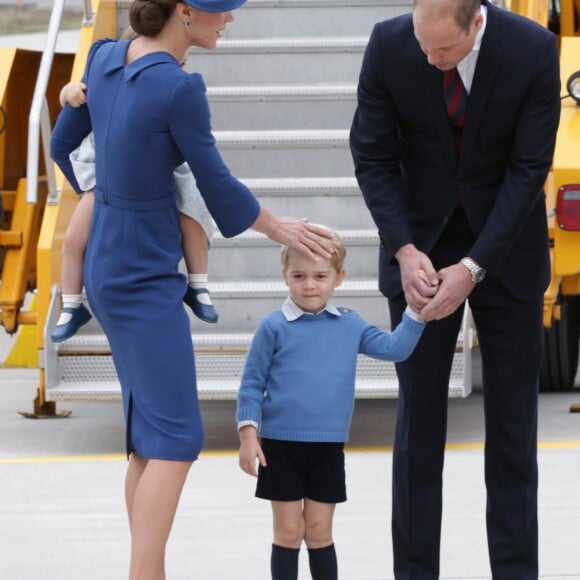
(568, 207)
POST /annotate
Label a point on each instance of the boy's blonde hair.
(337, 258)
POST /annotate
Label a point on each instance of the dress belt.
(135, 204)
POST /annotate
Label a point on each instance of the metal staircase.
(282, 91)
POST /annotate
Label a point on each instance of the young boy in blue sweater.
(295, 405)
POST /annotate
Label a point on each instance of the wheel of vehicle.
(560, 356)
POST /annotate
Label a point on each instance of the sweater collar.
(292, 311)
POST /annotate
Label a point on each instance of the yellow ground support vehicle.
(562, 298)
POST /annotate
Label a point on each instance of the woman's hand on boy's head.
(310, 239)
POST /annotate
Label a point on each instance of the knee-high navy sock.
(284, 563)
(323, 564)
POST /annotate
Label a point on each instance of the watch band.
(477, 272)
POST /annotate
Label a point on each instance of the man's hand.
(454, 287)
(418, 277)
(250, 450)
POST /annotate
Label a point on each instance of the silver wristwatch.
(477, 272)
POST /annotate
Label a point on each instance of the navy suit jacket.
(406, 165)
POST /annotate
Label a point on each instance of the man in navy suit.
(464, 204)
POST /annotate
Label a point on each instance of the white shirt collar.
(466, 67)
(292, 311)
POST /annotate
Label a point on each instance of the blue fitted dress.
(148, 117)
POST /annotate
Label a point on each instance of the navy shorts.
(298, 470)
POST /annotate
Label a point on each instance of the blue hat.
(215, 5)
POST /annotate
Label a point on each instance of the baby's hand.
(75, 94)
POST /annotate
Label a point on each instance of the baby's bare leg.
(74, 314)
(194, 245)
(75, 245)
(195, 252)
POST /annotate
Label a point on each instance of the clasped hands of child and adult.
(432, 294)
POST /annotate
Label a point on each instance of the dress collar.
(118, 58)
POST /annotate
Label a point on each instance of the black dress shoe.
(205, 312)
(79, 317)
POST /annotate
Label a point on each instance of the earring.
(187, 23)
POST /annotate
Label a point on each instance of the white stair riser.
(243, 315)
(263, 263)
(340, 66)
(289, 113)
(296, 161)
(260, 19)
(308, 20)
(334, 212)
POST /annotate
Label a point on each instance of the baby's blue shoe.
(205, 312)
(79, 317)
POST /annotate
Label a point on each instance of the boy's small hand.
(250, 451)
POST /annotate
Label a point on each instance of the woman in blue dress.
(149, 116)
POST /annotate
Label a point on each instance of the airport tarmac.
(62, 514)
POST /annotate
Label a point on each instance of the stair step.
(299, 153)
(257, 258)
(303, 186)
(283, 139)
(242, 304)
(299, 17)
(283, 45)
(282, 106)
(312, 17)
(219, 364)
(355, 237)
(334, 201)
(311, 92)
(280, 61)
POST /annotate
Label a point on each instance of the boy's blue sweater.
(299, 377)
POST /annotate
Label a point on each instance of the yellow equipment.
(562, 298)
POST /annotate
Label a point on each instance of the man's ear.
(340, 277)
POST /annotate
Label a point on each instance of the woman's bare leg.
(134, 471)
(153, 489)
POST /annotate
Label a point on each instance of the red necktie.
(456, 102)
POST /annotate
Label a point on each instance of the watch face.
(478, 274)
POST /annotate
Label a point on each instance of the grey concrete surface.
(62, 514)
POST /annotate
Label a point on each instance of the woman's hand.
(310, 239)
